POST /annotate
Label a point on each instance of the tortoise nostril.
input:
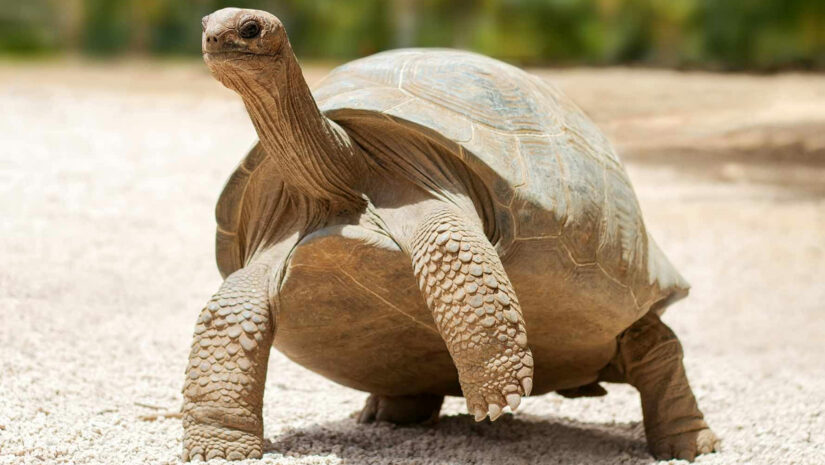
(213, 44)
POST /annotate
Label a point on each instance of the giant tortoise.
(426, 223)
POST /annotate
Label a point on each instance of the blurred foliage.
(726, 34)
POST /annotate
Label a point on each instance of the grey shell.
(551, 173)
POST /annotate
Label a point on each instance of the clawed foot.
(206, 442)
(402, 410)
(685, 446)
(500, 383)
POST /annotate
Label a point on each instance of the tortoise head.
(243, 43)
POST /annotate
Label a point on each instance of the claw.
(685, 446)
(527, 384)
(495, 411)
(707, 448)
(479, 414)
(513, 400)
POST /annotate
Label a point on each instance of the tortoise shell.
(552, 175)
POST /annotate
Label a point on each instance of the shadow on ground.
(459, 439)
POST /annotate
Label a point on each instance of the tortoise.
(426, 223)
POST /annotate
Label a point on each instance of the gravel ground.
(108, 178)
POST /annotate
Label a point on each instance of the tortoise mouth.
(238, 59)
(236, 54)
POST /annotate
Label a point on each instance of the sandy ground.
(108, 178)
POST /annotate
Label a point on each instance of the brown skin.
(264, 72)
(650, 359)
(460, 276)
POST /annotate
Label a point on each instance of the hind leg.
(402, 410)
(650, 359)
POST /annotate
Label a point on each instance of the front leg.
(224, 388)
(475, 309)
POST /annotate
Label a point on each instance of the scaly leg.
(475, 309)
(224, 388)
(650, 359)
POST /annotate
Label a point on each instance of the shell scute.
(509, 166)
(429, 115)
(382, 71)
(591, 290)
(541, 212)
(623, 241)
(365, 99)
(586, 134)
(488, 94)
(584, 182)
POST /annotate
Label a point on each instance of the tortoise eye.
(249, 30)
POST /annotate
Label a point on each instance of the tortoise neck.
(314, 154)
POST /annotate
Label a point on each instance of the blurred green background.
(714, 34)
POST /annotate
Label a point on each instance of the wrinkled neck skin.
(315, 156)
